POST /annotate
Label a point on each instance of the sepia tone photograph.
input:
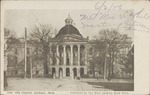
(68, 50)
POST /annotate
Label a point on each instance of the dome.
(68, 29)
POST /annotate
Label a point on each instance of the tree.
(97, 55)
(42, 35)
(129, 62)
(9, 41)
(113, 42)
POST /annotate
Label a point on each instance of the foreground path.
(45, 84)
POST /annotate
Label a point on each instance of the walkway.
(45, 84)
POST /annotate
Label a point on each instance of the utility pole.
(105, 65)
(25, 53)
(31, 67)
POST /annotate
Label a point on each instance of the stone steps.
(66, 78)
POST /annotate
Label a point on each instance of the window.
(90, 72)
(36, 51)
(8, 60)
(16, 72)
(81, 55)
(100, 72)
(46, 71)
(16, 60)
(16, 51)
(74, 55)
(37, 71)
(67, 61)
(28, 60)
(91, 51)
(28, 51)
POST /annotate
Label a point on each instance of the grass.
(115, 86)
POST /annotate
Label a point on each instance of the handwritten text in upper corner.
(103, 12)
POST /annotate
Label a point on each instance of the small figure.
(78, 78)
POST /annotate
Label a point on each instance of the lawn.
(115, 86)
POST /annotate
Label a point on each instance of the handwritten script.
(111, 14)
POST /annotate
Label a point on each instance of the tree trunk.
(93, 72)
(45, 55)
(133, 66)
(112, 67)
(45, 65)
(109, 67)
(5, 79)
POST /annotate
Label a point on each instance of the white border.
(141, 39)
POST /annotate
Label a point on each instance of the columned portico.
(71, 52)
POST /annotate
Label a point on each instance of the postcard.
(86, 47)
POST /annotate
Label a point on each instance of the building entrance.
(53, 72)
(81, 72)
(67, 72)
(74, 73)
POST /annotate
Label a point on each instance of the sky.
(17, 20)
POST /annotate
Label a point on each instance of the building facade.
(70, 56)
(71, 53)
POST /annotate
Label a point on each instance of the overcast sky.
(17, 20)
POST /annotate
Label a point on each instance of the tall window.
(28, 51)
(28, 60)
(60, 58)
(36, 51)
(46, 71)
(8, 59)
(16, 51)
(37, 71)
(74, 55)
(16, 72)
(81, 55)
(91, 51)
(16, 60)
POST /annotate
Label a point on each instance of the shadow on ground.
(114, 86)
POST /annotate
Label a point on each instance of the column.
(57, 54)
(85, 70)
(78, 54)
(64, 47)
(71, 54)
(86, 54)
(78, 72)
(71, 73)
(57, 72)
(50, 58)
(64, 72)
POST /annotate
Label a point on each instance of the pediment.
(72, 39)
